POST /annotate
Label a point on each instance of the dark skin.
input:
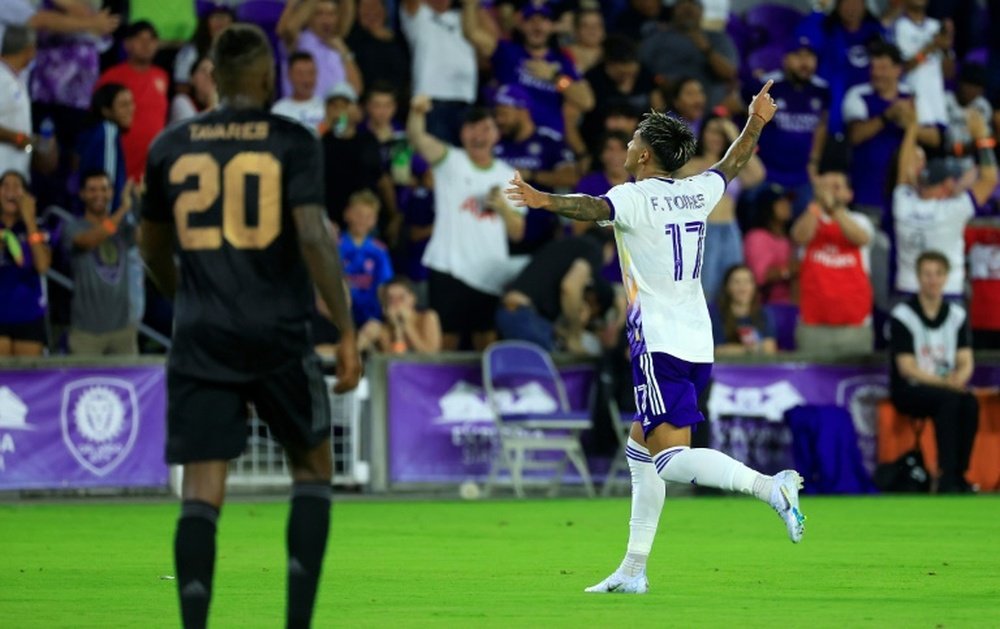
(206, 480)
(642, 164)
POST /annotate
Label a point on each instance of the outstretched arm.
(579, 207)
(429, 147)
(762, 109)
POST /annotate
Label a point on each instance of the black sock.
(308, 525)
(194, 557)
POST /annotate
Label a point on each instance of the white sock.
(711, 468)
(648, 492)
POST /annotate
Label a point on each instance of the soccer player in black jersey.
(240, 192)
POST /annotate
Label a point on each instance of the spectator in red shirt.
(983, 252)
(835, 294)
(148, 85)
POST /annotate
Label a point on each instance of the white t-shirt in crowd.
(444, 62)
(15, 115)
(925, 224)
(660, 229)
(927, 79)
(309, 113)
(469, 241)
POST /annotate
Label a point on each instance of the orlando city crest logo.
(100, 422)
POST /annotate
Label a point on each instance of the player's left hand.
(522, 194)
(348, 368)
(763, 105)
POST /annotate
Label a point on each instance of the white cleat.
(618, 583)
(785, 501)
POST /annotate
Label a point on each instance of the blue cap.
(800, 43)
(537, 8)
(513, 95)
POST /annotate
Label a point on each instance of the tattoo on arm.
(741, 150)
(580, 207)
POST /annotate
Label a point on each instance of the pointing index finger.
(766, 88)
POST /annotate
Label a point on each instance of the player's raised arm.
(761, 111)
(580, 207)
(429, 147)
(323, 262)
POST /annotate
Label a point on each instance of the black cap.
(973, 74)
(139, 26)
(940, 169)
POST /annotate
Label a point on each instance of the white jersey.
(660, 229)
(927, 79)
(469, 241)
(309, 113)
(924, 224)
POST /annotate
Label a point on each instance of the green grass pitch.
(717, 562)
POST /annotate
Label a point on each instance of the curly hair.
(670, 140)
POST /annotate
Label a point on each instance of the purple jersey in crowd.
(20, 285)
(544, 150)
(786, 146)
(872, 158)
(546, 102)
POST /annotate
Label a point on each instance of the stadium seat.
(764, 60)
(202, 7)
(772, 24)
(263, 13)
(510, 369)
(786, 318)
(741, 34)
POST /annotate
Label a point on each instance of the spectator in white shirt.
(930, 211)
(302, 104)
(442, 41)
(16, 53)
(926, 46)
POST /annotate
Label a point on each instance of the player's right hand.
(348, 367)
(763, 104)
(421, 104)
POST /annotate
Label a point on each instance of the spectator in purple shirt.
(25, 257)
(875, 116)
(792, 149)
(319, 28)
(535, 62)
(539, 154)
(841, 39)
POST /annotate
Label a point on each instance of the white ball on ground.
(469, 490)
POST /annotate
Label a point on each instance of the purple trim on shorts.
(725, 182)
(611, 206)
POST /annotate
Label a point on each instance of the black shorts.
(29, 331)
(207, 421)
(461, 308)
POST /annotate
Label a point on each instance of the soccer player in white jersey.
(659, 224)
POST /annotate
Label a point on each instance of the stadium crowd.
(880, 151)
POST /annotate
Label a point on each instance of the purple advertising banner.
(440, 429)
(82, 427)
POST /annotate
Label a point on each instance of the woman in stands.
(25, 257)
(769, 251)
(724, 242)
(740, 324)
(202, 94)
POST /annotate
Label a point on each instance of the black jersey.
(228, 181)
